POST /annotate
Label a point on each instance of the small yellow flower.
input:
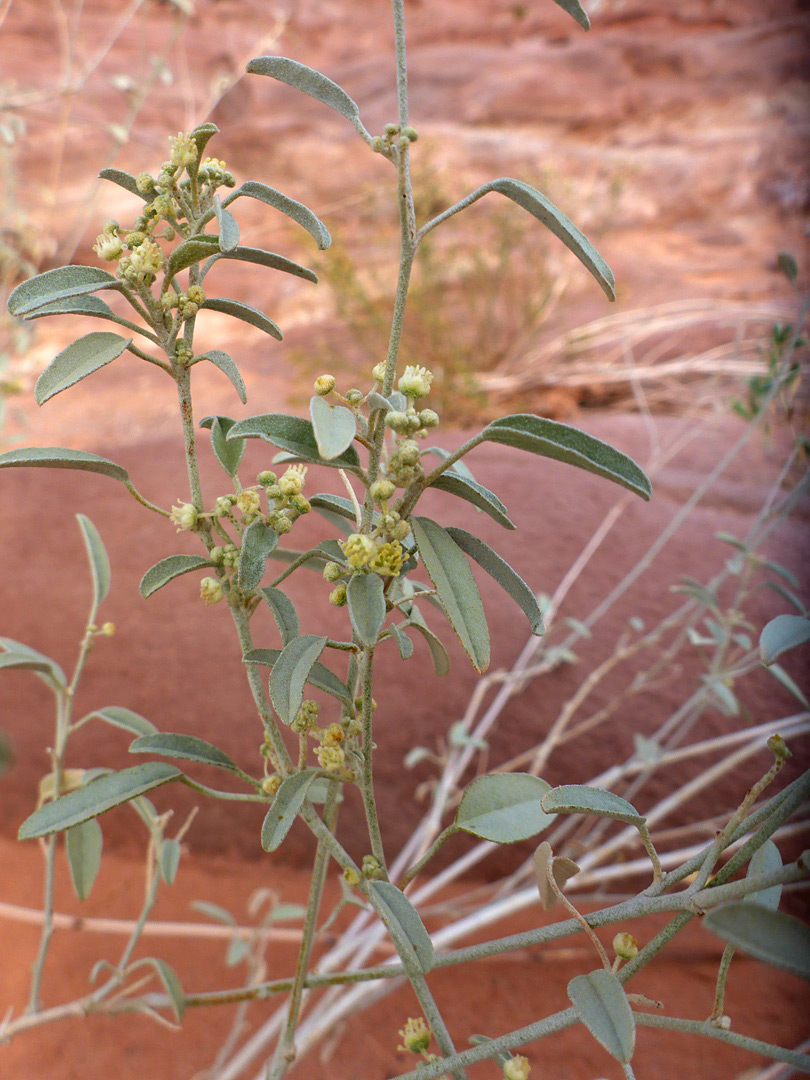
(358, 549)
(184, 516)
(330, 758)
(108, 244)
(333, 736)
(248, 502)
(415, 1035)
(292, 479)
(388, 560)
(516, 1068)
(378, 372)
(415, 381)
(184, 150)
(147, 258)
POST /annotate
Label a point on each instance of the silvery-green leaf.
(228, 226)
(77, 361)
(765, 861)
(214, 911)
(83, 844)
(576, 11)
(581, 799)
(788, 265)
(194, 250)
(366, 601)
(170, 852)
(86, 305)
(602, 1005)
(244, 312)
(334, 427)
(123, 179)
(167, 570)
(97, 557)
(295, 210)
(288, 801)
(502, 572)
(266, 258)
(238, 949)
(504, 807)
(257, 543)
(474, 493)
(404, 643)
(125, 719)
(17, 655)
(549, 438)
(458, 594)
(772, 936)
(291, 671)
(58, 457)
(319, 675)
(96, 797)
(438, 653)
(376, 403)
(782, 633)
(56, 285)
(403, 923)
(335, 505)
(228, 452)
(284, 613)
(293, 434)
(789, 683)
(308, 80)
(458, 467)
(171, 984)
(187, 747)
(202, 134)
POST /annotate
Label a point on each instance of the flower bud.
(271, 784)
(144, 183)
(351, 877)
(397, 421)
(516, 1068)
(415, 381)
(211, 590)
(325, 384)
(184, 516)
(266, 478)
(625, 946)
(428, 418)
(332, 571)
(354, 396)
(378, 372)
(337, 597)
(381, 491)
(248, 502)
(107, 629)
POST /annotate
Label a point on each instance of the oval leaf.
(228, 453)
(293, 434)
(402, 922)
(125, 719)
(290, 672)
(458, 594)
(77, 361)
(504, 807)
(228, 226)
(765, 861)
(244, 312)
(83, 844)
(283, 611)
(58, 457)
(438, 653)
(288, 801)
(295, 210)
(603, 1008)
(98, 559)
(334, 427)
(581, 799)
(257, 543)
(17, 655)
(167, 570)
(319, 675)
(502, 572)
(549, 438)
(96, 797)
(191, 251)
(308, 80)
(58, 284)
(783, 633)
(366, 606)
(474, 493)
(188, 747)
(772, 936)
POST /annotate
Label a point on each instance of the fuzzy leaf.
(187, 747)
(438, 653)
(194, 250)
(336, 505)
(288, 801)
(581, 799)
(266, 258)
(551, 439)
(228, 226)
(123, 179)
(290, 671)
(765, 861)
(504, 807)
(308, 80)
(84, 305)
(57, 284)
(502, 572)
(576, 11)
(458, 594)
(19, 656)
(782, 633)
(98, 559)
(257, 543)
(319, 675)
(772, 936)
(58, 457)
(293, 434)
(94, 798)
(283, 611)
(83, 844)
(202, 134)
(789, 683)
(77, 361)
(171, 984)
(170, 852)
(366, 606)
(228, 453)
(602, 1005)
(474, 493)
(295, 210)
(244, 312)
(404, 643)
(125, 719)
(334, 427)
(167, 570)
(403, 923)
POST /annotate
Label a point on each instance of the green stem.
(744, 1042)
(367, 781)
(722, 976)
(420, 864)
(183, 379)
